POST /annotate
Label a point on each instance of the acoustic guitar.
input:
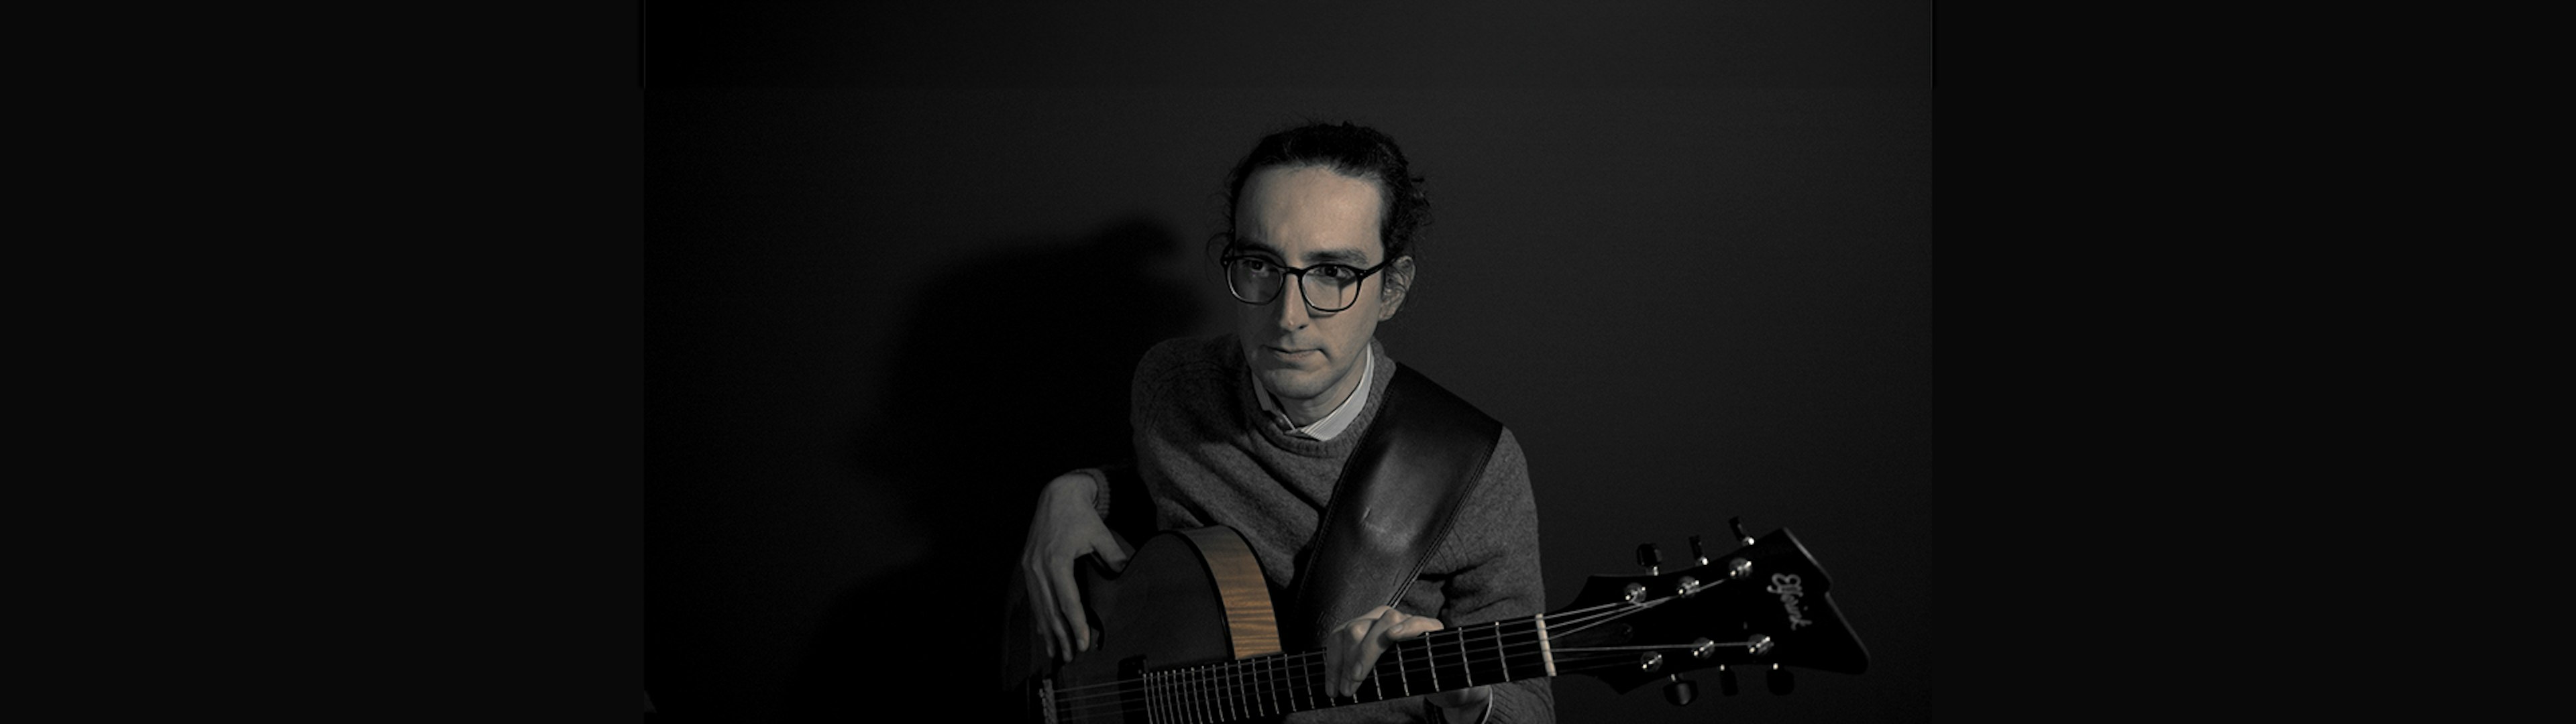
(1186, 633)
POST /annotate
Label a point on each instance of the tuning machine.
(1680, 691)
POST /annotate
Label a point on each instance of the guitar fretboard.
(1459, 658)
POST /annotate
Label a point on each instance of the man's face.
(1303, 216)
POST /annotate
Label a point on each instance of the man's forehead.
(1314, 213)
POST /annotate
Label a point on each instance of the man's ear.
(1390, 294)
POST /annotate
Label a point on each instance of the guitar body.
(1185, 597)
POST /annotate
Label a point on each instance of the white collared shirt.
(1332, 424)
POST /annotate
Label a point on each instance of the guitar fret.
(1315, 682)
(1466, 664)
(1405, 676)
(1205, 699)
(1305, 685)
(1296, 688)
(1430, 653)
(1502, 649)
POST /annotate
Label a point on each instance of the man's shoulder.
(1186, 361)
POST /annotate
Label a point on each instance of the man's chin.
(1294, 384)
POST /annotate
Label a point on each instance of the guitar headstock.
(1762, 604)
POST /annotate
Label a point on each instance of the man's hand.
(1066, 527)
(1354, 646)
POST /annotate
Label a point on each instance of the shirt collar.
(1334, 423)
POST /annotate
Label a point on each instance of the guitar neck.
(1459, 658)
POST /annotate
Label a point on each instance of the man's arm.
(1066, 527)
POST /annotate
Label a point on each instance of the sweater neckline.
(1250, 408)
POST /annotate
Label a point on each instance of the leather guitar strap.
(1394, 504)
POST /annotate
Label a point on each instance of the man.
(1252, 429)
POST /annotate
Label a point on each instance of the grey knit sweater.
(1207, 457)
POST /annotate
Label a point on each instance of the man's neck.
(1337, 415)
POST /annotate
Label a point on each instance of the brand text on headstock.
(1786, 584)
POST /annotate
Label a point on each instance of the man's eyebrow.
(1249, 245)
(1244, 244)
(1341, 256)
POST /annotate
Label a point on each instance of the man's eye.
(1255, 266)
(1336, 272)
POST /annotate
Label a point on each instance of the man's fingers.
(1413, 626)
(1356, 650)
(1042, 606)
(1110, 551)
(1357, 645)
(1373, 644)
(1342, 648)
(1068, 604)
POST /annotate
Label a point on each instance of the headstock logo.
(1786, 584)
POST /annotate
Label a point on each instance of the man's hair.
(1351, 150)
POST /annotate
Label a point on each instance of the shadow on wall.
(1012, 368)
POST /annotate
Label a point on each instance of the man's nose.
(1293, 312)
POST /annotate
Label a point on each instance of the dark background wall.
(898, 267)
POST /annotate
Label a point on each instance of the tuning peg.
(1779, 680)
(1697, 552)
(1726, 681)
(1681, 692)
(1737, 524)
(1650, 558)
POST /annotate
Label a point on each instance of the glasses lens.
(1331, 287)
(1252, 280)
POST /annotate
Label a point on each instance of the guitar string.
(1471, 635)
(1181, 706)
(1297, 671)
(1227, 703)
(1251, 678)
(1478, 632)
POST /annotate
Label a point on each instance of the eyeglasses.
(1328, 287)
